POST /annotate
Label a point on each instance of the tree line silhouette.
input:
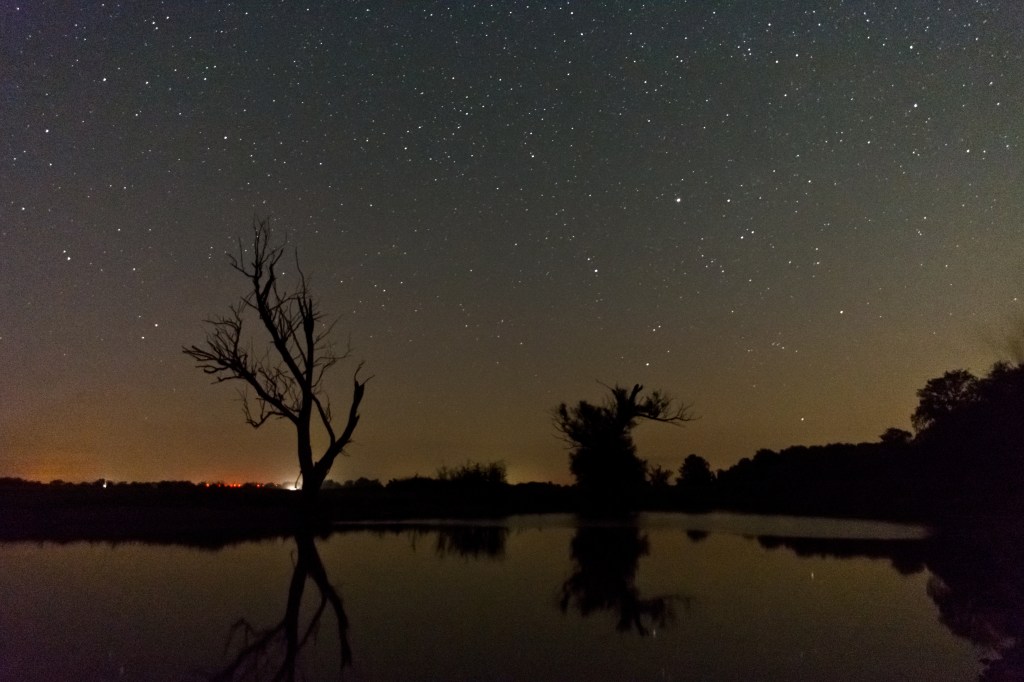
(965, 454)
(965, 457)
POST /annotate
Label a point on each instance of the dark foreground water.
(671, 597)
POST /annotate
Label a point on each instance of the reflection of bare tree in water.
(272, 653)
(604, 579)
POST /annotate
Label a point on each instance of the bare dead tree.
(283, 360)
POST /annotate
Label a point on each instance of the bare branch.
(287, 374)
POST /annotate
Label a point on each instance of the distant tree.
(474, 474)
(281, 362)
(975, 447)
(991, 423)
(942, 397)
(695, 472)
(1003, 386)
(658, 476)
(413, 484)
(695, 484)
(894, 436)
(602, 454)
(363, 483)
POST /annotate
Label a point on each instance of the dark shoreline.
(214, 516)
(217, 515)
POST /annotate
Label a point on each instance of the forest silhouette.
(965, 459)
(959, 473)
(966, 455)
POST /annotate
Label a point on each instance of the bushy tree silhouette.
(896, 437)
(603, 456)
(695, 472)
(695, 484)
(943, 396)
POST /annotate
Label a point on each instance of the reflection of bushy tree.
(697, 535)
(977, 582)
(978, 585)
(604, 579)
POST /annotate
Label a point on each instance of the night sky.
(789, 214)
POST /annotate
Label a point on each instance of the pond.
(663, 597)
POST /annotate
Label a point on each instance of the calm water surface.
(672, 597)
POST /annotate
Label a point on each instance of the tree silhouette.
(603, 456)
(943, 396)
(695, 483)
(896, 437)
(695, 472)
(658, 477)
(282, 361)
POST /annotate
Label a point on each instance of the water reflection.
(907, 557)
(976, 581)
(978, 584)
(697, 535)
(473, 542)
(498, 596)
(273, 652)
(605, 560)
(470, 541)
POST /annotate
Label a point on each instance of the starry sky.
(788, 214)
